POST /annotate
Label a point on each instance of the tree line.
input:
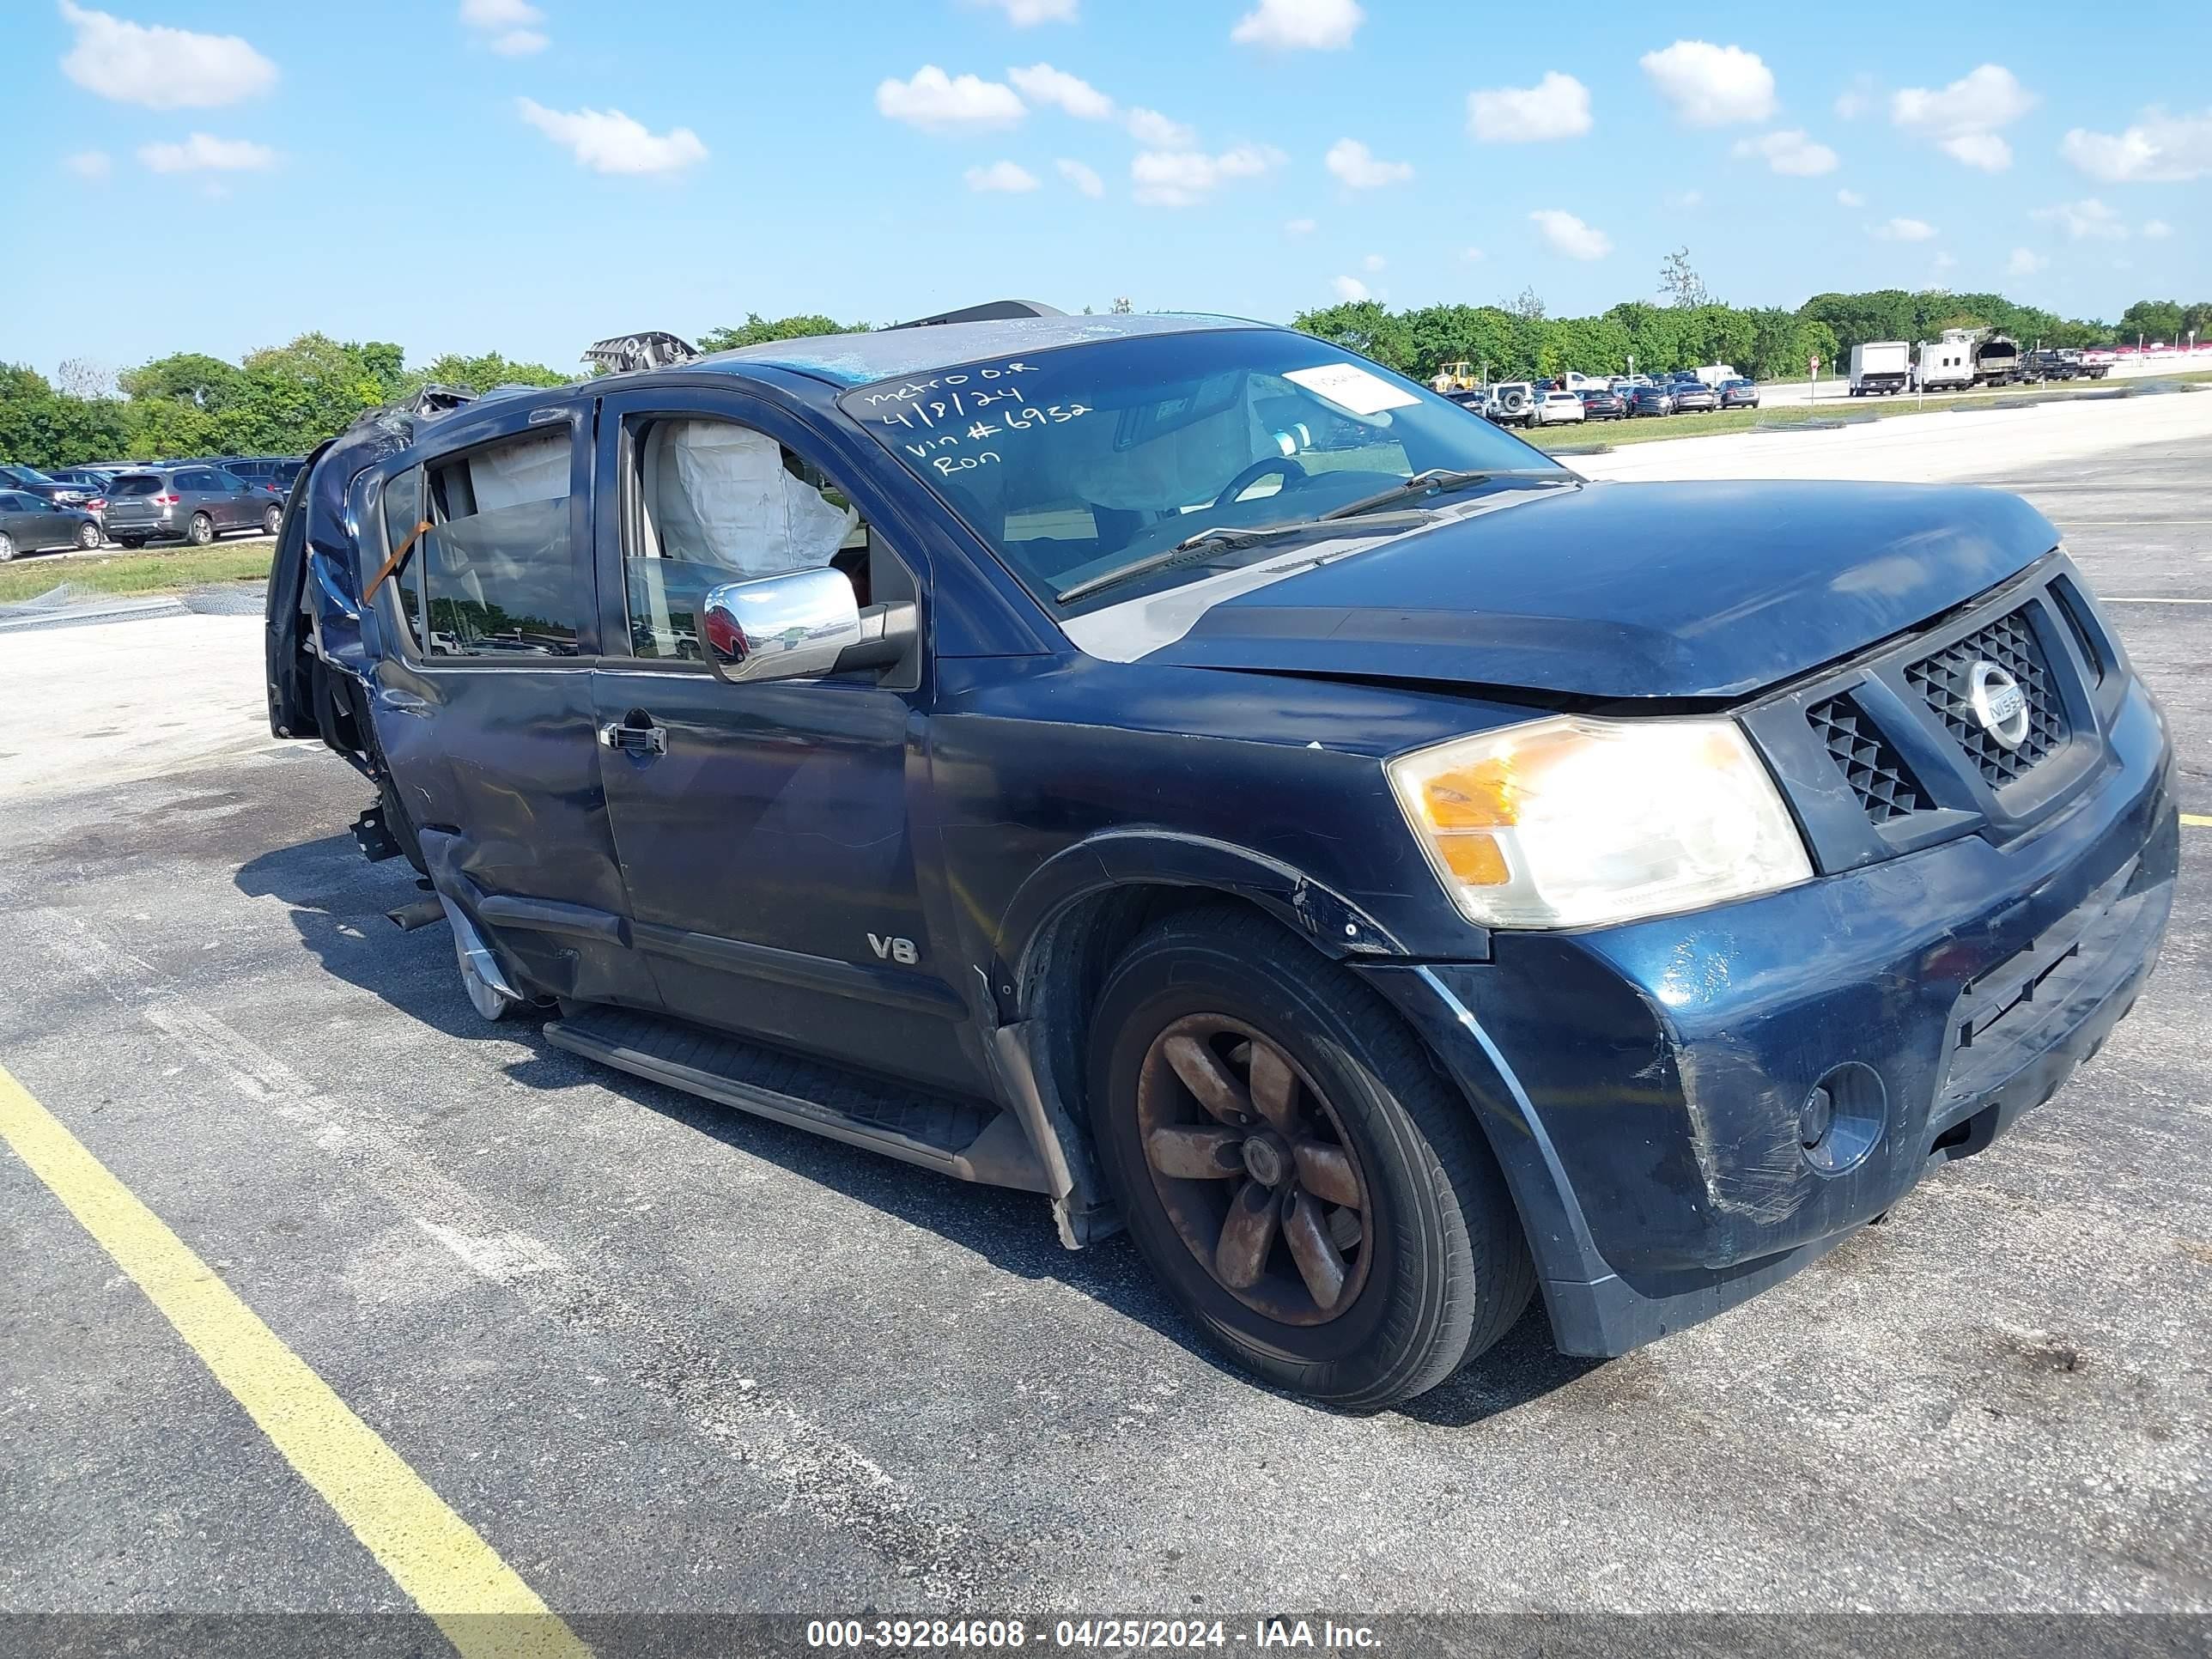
(286, 399)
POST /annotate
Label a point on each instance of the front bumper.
(1642, 1084)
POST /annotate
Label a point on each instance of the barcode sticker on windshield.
(1350, 387)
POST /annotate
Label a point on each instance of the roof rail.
(650, 348)
(991, 310)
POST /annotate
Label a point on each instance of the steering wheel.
(1259, 468)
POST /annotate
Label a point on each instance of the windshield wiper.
(1227, 538)
(1436, 480)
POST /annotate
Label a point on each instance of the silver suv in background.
(194, 504)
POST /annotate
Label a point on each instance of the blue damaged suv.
(1174, 766)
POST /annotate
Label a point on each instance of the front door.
(765, 830)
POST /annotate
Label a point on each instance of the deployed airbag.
(723, 496)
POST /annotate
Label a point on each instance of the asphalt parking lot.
(666, 1357)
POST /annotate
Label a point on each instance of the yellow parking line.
(2199, 823)
(432, 1554)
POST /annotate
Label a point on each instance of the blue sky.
(526, 175)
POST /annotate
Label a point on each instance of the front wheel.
(7, 547)
(1293, 1167)
(87, 535)
(272, 521)
(202, 530)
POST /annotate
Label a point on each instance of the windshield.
(1074, 462)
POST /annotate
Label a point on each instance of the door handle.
(634, 739)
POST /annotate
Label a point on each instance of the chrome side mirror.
(792, 627)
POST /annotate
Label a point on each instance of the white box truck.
(1883, 366)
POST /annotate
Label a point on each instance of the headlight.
(1569, 821)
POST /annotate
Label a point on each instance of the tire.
(134, 542)
(272, 521)
(87, 535)
(200, 532)
(1433, 1266)
(7, 547)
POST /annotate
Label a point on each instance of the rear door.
(485, 712)
(766, 831)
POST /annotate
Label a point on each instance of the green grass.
(136, 573)
(1648, 428)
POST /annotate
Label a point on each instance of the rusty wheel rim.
(1255, 1169)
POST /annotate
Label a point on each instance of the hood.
(1707, 590)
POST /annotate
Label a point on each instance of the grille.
(2009, 643)
(1875, 771)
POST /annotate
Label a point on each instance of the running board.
(963, 1139)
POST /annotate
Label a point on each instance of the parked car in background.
(1602, 403)
(1556, 408)
(1512, 403)
(32, 524)
(272, 473)
(1694, 397)
(1651, 400)
(1738, 394)
(44, 485)
(192, 504)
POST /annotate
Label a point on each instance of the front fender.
(1167, 857)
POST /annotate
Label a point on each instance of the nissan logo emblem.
(1998, 703)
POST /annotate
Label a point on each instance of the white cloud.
(1962, 119)
(1299, 227)
(1084, 178)
(2086, 220)
(1183, 178)
(1851, 198)
(1028, 13)
(1374, 261)
(1944, 262)
(1156, 131)
(202, 153)
(1288, 25)
(1565, 233)
(1986, 150)
(507, 26)
(1041, 83)
(1556, 106)
(1711, 86)
(608, 141)
(2025, 262)
(161, 67)
(1791, 151)
(2160, 149)
(1473, 255)
(89, 164)
(1004, 178)
(1350, 289)
(1685, 200)
(1856, 99)
(1902, 230)
(1361, 169)
(938, 102)
(2156, 230)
